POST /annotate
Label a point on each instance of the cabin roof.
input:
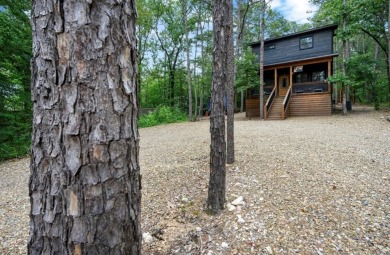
(309, 31)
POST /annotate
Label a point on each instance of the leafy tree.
(15, 100)
(247, 71)
(364, 17)
(145, 43)
(170, 36)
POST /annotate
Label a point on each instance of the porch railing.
(269, 102)
(286, 102)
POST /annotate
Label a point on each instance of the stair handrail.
(286, 101)
(269, 102)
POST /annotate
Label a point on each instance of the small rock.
(224, 245)
(198, 229)
(269, 250)
(147, 238)
(230, 207)
(238, 201)
(240, 220)
(388, 118)
(210, 253)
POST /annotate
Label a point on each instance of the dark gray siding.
(287, 49)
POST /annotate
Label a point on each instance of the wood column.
(276, 81)
(329, 73)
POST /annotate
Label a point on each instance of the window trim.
(306, 37)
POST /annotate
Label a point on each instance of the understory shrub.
(15, 135)
(162, 115)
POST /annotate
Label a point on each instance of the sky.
(296, 10)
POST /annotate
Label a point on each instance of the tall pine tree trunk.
(202, 73)
(388, 54)
(195, 77)
(85, 177)
(190, 118)
(261, 55)
(345, 57)
(221, 29)
(203, 64)
(230, 92)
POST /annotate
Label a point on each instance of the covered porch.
(288, 83)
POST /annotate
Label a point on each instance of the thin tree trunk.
(239, 37)
(261, 90)
(242, 101)
(202, 74)
(221, 29)
(345, 57)
(190, 118)
(374, 92)
(85, 177)
(195, 78)
(388, 55)
(230, 92)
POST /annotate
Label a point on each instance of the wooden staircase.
(275, 113)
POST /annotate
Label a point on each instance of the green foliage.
(247, 71)
(162, 115)
(14, 134)
(15, 99)
(366, 31)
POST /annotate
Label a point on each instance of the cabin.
(296, 67)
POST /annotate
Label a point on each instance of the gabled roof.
(301, 33)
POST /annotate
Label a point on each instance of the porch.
(295, 89)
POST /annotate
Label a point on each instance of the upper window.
(306, 43)
(269, 47)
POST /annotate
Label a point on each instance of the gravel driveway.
(313, 185)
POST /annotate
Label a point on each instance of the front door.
(283, 84)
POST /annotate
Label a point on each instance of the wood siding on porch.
(310, 105)
(318, 104)
(252, 106)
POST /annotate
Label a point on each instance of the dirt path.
(315, 185)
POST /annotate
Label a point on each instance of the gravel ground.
(313, 185)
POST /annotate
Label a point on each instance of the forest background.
(175, 72)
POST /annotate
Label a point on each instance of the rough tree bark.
(221, 28)
(85, 177)
(230, 93)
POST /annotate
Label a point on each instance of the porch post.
(329, 74)
(276, 81)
